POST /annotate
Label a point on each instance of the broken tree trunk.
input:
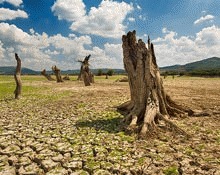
(91, 77)
(57, 73)
(85, 73)
(48, 77)
(17, 77)
(80, 77)
(149, 103)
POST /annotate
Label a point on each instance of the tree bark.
(85, 72)
(57, 73)
(17, 77)
(91, 77)
(149, 103)
(48, 77)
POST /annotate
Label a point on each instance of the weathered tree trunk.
(57, 73)
(80, 78)
(48, 77)
(149, 103)
(17, 77)
(85, 73)
(91, 77)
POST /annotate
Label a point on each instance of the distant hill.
(209, 66)
(9, 70)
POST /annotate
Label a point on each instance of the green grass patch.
(173, 170)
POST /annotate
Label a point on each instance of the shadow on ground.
(113, 125)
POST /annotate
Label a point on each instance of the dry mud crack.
(79, 132)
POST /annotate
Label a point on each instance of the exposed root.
(134, 120)
(172, 125)
(150, 125)
(124, 107)
(175, 108)
(198, 113)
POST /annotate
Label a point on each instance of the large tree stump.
(17, 77)
(57, 73)
(85, 72)
(48, 77)
(149, 103)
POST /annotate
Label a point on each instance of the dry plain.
(67, 128)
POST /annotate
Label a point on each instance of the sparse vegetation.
(63, 120)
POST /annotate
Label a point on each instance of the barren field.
(69, 129)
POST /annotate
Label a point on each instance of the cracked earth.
(68, 129)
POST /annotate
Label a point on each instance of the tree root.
(124, 107)
(150, 120)
(173, 126)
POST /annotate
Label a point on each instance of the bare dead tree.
(48, 77)
(56, 70)
(149, 102)
(85, 72)
(17, 77)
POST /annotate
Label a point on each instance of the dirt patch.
(73, 128)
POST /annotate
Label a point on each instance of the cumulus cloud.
(7, 14)
(173, 49)
(131, 19)
(70, 10)
(139, 7)
(141, 17)
(204, 18)
(13, 2)
(39, 51)
(106, 20)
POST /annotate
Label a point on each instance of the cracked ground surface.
(68, 129)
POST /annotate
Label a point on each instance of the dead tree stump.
(17, 77)
(57, 73)
(149, 103)
(85, 72)
(91, 77)
(48, 77)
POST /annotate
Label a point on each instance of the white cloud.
(2, 51)
(204, 18)
(139, 7)
(106, 20)
(13, 2)
(172, 49)
(71, 10)
(29, 47)
(7, 14)
(131, 19)
(39, 51)
(141, 17)
(164, 30)
(209, 36)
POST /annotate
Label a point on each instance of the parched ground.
(68, 129)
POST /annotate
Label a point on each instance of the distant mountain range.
(9, 70)
(209, 65)
(206, 64)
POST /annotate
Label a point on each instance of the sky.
(61, 32)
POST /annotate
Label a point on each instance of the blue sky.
(60, 32)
